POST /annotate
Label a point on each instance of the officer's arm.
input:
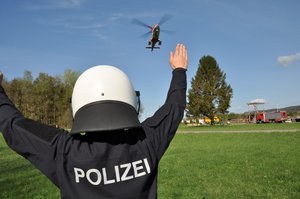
(162, 126)
(178, 62)
(34, 141)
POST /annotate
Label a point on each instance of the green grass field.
(232, 166)
(210, 165)
(243, 127)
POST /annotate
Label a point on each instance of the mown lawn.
(243, 127)
(210, 165)
(231, 166)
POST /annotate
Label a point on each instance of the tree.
(45, 98)
(69, 79)
(19, 90)
(209, 94)
(44, 95)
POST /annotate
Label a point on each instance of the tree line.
(45, 98)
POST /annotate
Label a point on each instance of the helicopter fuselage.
(154, 37)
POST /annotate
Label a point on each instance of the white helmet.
(103, 99)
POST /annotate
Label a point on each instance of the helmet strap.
(70, 107)
(139, 101)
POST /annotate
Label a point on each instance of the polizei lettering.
(122, 172)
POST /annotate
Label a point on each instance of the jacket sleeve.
(162, 126)
(34, 141)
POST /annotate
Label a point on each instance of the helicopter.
(154, 31)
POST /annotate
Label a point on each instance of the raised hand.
(179, 59)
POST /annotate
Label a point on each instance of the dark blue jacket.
(120, 164)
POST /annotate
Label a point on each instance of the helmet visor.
(105, 116)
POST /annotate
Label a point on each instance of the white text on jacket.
(122, 172)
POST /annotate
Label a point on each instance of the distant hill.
(288, 109)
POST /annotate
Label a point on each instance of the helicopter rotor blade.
(164, 19)
(140, 23)
(167, 31)
(146, 34)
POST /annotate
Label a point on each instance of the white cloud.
(68, 3)
(100, 35)
(288, 59)
(116, 16)
(90, 24)
(84, 22)
(55, 4)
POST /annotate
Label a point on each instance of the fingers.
(171, 59)
(182, 52)
(185, 55)
(178, 49)
(179, 57)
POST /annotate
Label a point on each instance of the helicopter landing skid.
(153, 47)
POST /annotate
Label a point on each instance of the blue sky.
(256, 43)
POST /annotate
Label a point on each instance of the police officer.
(108, 153)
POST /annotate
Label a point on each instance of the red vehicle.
(266, 117)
